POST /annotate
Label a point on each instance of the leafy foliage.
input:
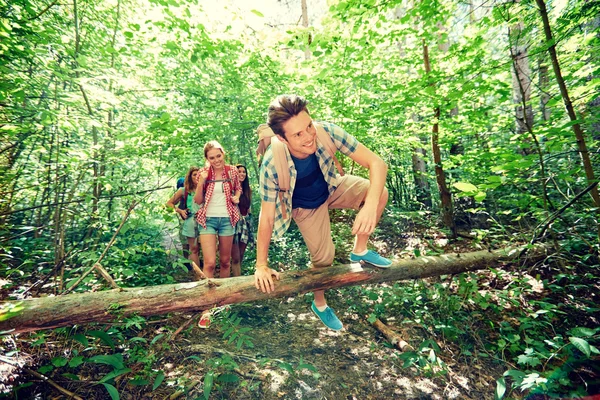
(103, 104)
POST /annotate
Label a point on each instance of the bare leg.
(209, 253)
(236, 259)
(242, 247)
(360, 242)
(225, 243)
(194, 250)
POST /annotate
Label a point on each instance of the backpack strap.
(183, 200)
(228, 179)
(325, 139)
(267, 137)
(282, 168)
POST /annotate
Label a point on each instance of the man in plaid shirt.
(315, 187)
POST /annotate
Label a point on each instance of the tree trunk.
(583, 150)
(445, 195)
(53, 312)
(305, 25)
(544, 82)
(419, 168)
(521, 79)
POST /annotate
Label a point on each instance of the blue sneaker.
(327, 317)
(371, 258)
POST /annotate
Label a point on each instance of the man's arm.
(366, 220)
(263, 277)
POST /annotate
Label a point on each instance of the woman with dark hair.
(243, 230)
(183, 204)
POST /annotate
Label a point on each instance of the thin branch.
(551, 219)
(82, 200)
(44, 10)
(97, 265)
(44, 378)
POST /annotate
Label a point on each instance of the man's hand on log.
(263, 278)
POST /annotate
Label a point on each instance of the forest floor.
(292, 356)
(281, 351)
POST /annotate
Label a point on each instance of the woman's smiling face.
(242, 173)
(216, 158)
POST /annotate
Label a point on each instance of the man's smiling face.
(300, 135)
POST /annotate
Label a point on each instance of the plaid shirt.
(229, 172)
(269, 188)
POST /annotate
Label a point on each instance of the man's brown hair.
(282, 109)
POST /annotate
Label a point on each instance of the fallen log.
(81, 308)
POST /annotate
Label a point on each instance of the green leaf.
(372, 318)
(528, 360)
(116, 360)
(104, 337)
(288, 367)
(582, 331)
(581, 345)
(208, 384)
(81, 338)
(45, 368)
(59, 361)
(309, 367)
(76, 362)
(500, 388)
(114, 374)
(465, 187)
(156, 338)
(112, 391)
(159, 379)
(480, 196)
(228, 378)
(70, 376)
(256, 12)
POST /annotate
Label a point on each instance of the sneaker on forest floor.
(372, 258)
(204, 322)
(327, 317)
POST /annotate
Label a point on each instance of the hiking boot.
(371, 258)
(327, 317)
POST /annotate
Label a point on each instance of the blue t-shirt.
(311, 189)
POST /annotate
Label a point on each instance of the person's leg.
(360, 242)
(225, 244)
(194, 250)
(236, 262)
(242, 247)
(208, 242)
(226, 232)
(351, 193)
(315, 227)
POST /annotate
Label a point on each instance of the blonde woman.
(218, 193)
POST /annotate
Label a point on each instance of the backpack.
(266, 138)
(183, 200)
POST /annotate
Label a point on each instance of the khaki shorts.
(314, 224)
